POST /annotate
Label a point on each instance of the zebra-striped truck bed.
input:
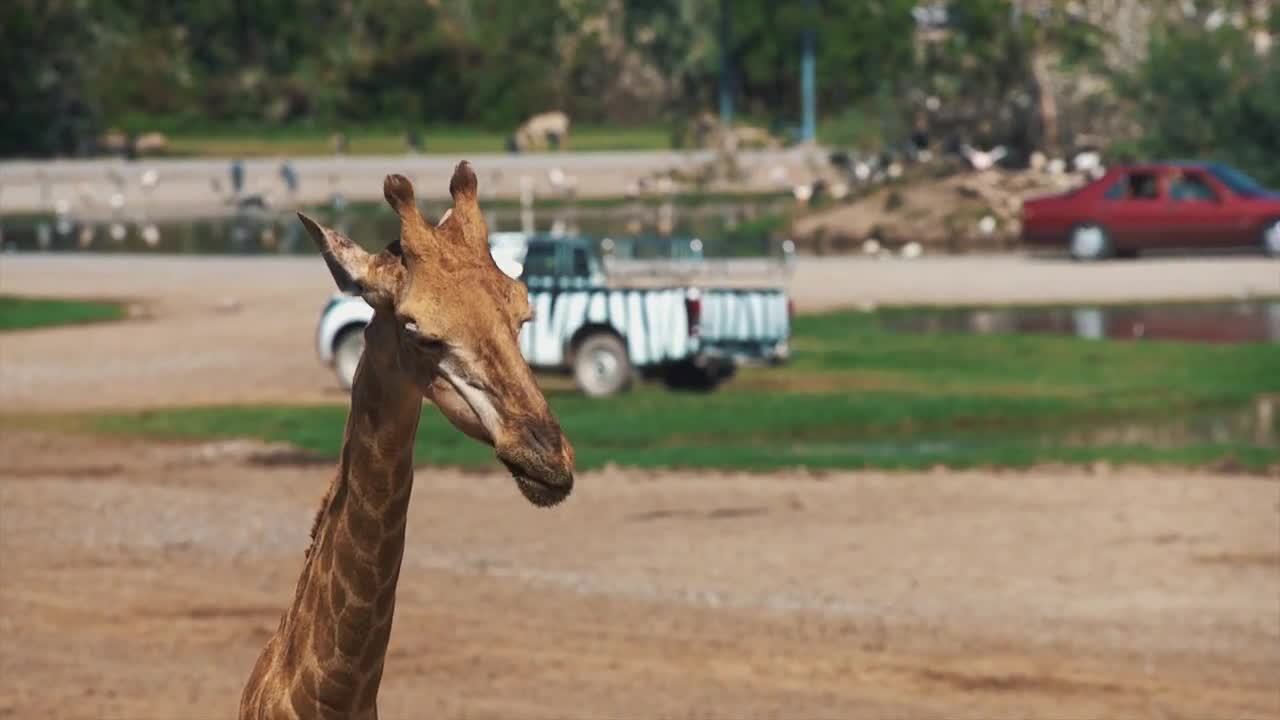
(691, 337)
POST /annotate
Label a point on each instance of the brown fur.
(327, 655)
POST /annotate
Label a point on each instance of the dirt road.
(140, 581)
(241, 329)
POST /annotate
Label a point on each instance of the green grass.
(860, 396)
(249, 142)
(26, 313)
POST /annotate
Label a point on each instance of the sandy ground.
(241, 329)
(140, 581)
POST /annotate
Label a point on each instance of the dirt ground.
(140, 579)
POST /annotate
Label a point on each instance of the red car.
(1147, 207)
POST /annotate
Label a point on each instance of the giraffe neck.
(333, 641)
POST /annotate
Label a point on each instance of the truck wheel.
(1089, 242)
(1271, 238)
(689, 377)
(347, 349)
(601, 366)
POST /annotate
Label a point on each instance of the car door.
(1132, 211)
(1200, 211)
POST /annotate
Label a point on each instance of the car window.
(1134, 186)
(580, 268)
(1191, 187)
(1239, 183)
(540, 260)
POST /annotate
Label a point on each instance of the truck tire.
(601, 366)
(347, 349)
(689, 377)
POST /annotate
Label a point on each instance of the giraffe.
(445, 327)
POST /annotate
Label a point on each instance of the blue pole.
(808, 99)
(726, 71)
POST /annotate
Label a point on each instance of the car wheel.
(347, 349)
(1271, 238)
(601, 366)
(1089, 242)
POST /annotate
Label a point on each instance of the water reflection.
(1256, 424)
(1219, 322)
(249, 224)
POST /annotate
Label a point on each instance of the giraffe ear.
(376, 278)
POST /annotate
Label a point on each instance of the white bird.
(839, 190)
(895, 170)
(983, 159)
(862, 171)
(802, 193)
(870, 246)
(1087, 160)
(150, 178)
(912, 250)
(987, 225)
(1056, 166)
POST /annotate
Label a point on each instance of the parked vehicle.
(1158, 206)
(605, 335)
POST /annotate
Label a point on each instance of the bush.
(1208, 95)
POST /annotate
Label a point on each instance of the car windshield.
(1239, 183)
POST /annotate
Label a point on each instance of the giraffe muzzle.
(541, 492)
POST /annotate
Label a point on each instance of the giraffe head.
(457, 319)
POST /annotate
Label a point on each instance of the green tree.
(46, 54)
(1208, 93)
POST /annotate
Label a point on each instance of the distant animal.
(546, 130)
(152, 143)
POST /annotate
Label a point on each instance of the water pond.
(727, 227)
(1255, 320)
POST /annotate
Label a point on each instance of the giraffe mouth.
(538, 492)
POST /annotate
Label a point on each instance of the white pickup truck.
(606, 333)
